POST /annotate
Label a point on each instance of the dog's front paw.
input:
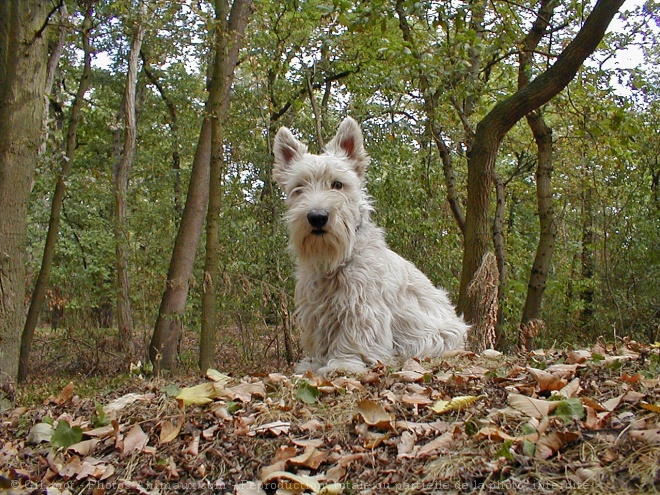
(336, 366)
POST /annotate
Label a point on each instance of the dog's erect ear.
(287, 149)
(349, 141)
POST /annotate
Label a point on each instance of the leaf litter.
(581, 421)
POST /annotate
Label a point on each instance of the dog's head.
(325, 194)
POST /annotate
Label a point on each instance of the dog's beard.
(325, 249)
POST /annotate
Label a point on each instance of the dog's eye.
(337, 185)
(296, 191)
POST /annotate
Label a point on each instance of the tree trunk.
(547, 227)
(39, 292)
(207, 341)
(23, 58)
(121, 176)
(168, 330)
(587, 262)
(495, 125)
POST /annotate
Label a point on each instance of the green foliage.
(66, 435)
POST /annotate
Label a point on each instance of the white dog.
(357, 301)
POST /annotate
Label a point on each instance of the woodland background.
(306, 64)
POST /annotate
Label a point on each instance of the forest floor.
(553, 421)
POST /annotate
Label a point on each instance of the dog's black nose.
(317, 218)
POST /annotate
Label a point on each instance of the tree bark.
(41, 284)
(495, 125)
(208, 335)
(547, 227)
(121, 176)
(23, 58)
(168, 330)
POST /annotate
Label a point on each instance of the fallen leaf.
(65, 395)
(438, 443)
(245, 391)
(375, 415)
(300, 482)
(85, 447)
(276, 428)
(572, 389)
(120, 403)
(169, 431)
(310, 459)
(547, 381)
(406, 444)
(135, 440)
(455, 403)
(550, 444)
(198, 394)
(578, 357)
(216, 376)
(650, 407)
(647, 436)
(248, 488)
(536, 408)
(41, 432)
(491, 354)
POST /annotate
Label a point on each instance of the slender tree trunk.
(548, 229)
(208, 336)
(121, 176)
(169, 325)
(53, 65)
(587, 261)
(39, 292)
(499, 244)
(495, 125)
(23, 58)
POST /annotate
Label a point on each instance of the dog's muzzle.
(318, 219)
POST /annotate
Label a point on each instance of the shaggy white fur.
(358, 302)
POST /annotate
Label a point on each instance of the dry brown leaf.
(547, 381)
(312, 442)
(611, 404)
(412, 364)
(209, 432)
(423, 429)
(120, 403)
(405, 444)
(416, 399)
(578, 357)
(310, 459)
(349, 384)
(101, 432)
(375, 415)
(651, 436)
(563, 370)
(438, 443)
(65, 395)
(276, 428)
(169, 431)
(536, 408)
(245, 391)
(311, 425)
(572, 389)
(289, 479)
(135, 440)
(550, 444)
(193, 446)
(248, 488)
(85, 447)
(408, 376)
